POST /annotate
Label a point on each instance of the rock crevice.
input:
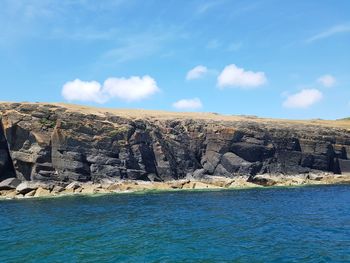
(6, 165)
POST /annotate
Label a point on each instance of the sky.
(269, 58)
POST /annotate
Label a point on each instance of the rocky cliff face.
(53, 142)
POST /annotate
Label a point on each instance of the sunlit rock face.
(52, 142)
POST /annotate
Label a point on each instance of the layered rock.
(65, 143)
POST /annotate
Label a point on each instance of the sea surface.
(305, 224)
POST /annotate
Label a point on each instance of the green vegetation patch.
(47, 123)
(120, 131)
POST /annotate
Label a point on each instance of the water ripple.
(310, 224)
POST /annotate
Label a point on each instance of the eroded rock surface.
(64, 143)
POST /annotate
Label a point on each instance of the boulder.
(252, 152)
(73, 185)
(221, 171)
(178, 184)
(30, 194)
(210, 161)
(114, 187)
(344, 166)
(315, 176)
(262, 179)
(232, 163)
(78, 190)
(57, 189)
(11, 194)
(199, 173)
(89, 188)
(10, 183)
(41, 192)
(26, 187)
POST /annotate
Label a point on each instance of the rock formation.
(66, 143)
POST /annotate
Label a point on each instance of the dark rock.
(252, 152)
(199, 173)
(26, 187)
(73, 185)
(344, 166)
(57, 189)
(289, 162)
(210, 161)
(9, 183)
(265, 180)
(221, 171)
(6, 166)
(233, 163)
(316, 177)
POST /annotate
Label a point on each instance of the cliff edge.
(65, 143)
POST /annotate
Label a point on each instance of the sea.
(300, 224)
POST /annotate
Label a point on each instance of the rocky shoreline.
(13, 188)
(60, 149)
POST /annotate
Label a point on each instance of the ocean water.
(308, 224)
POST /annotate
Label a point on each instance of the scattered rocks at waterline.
(40, 189)
(60, 148)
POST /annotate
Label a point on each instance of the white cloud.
(233, 76)
(188, 104)
(127, 89)
(131, 89)
(327, 80)
(330, 32)
(303, 99)
(197, 72)
(83, 91)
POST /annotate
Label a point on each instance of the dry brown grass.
(154, 114)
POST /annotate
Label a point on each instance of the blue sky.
(271, 58)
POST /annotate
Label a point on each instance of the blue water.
(309, 224)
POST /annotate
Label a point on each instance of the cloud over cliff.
(188, 104)
(127, 89)
(303, 99)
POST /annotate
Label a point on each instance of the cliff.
(65, 143)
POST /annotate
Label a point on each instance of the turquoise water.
(309, 224)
